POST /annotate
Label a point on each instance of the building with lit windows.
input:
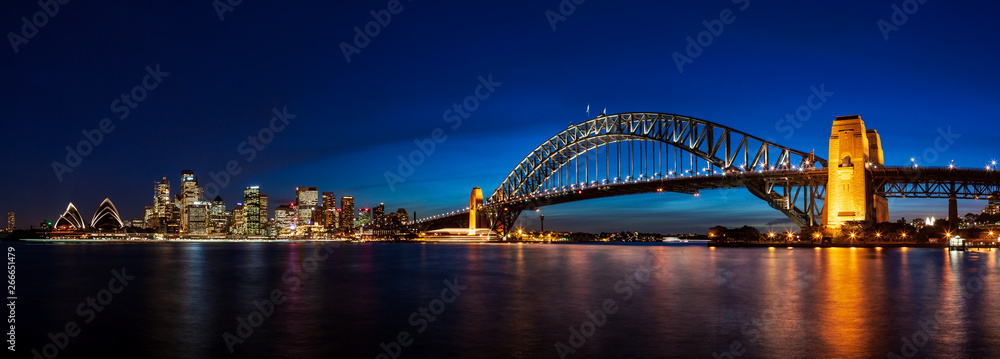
(993, 207)
(239, 219)
(197, 218)
(218, 221)
(378, 216)
(265, 214)
(251, 212)
(401, 216)
(329, 209)
(147, 216)
(161, 200)
(306, 198)
(284, 217)
(10, 221)
(347, 215)
(190, 193)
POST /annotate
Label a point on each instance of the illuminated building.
(70, 219)
(330, 215)
(161, 199)
(329, 211)
(264, 212)
(106, 217)
(347, 214)
(284, 217)
(401, 216)
(10, 221)
(993, 207)
(218, 221)
(173, 222)
(197, 218)
(378, 215)
(850, 193)
(190, 193)
(251, 212)
(363, 218)
(237, 227)
(306, 198)
(147, 216)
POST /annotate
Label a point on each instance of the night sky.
(935, 72)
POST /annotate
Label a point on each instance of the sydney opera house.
(106, 218)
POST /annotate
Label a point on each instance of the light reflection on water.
(521, 300)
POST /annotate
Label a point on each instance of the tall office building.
(161, 199)
(147, 216)
(306, 198)
(196, 217)
(251, 212)
(378, 216)
(238, 223)
(401, 216)
(347, 214)
(284, 216)
(190, 194)
(217, 221)
(329, 210)
(173, 219)
(10, 221)
(265, 213)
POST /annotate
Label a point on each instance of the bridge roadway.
(891, 182)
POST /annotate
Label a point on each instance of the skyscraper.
(251, 211)
(378, 216)
(147, 216)
(190, 194)
(306, 198)
(217, 221)
(161, 199)
(329, 210)
(284, 216)
(238, 225)
(347, 214)
(401, 216)
(10, 221)
(264, 211)
(197, 218)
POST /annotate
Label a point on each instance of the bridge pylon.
(851, 191)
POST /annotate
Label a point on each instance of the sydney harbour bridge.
(645, 152)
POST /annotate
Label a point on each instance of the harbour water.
(349, 300)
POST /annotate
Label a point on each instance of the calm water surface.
(514, 301)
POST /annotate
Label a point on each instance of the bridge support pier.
(953, 211)
(850, 189)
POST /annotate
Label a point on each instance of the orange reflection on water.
(847, 303)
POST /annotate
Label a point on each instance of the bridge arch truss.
(641, 147)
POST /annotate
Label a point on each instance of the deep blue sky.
(939, 70)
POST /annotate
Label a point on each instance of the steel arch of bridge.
(731, 151)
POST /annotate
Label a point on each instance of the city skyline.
(310, 116)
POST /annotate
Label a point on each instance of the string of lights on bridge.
(708, 171)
